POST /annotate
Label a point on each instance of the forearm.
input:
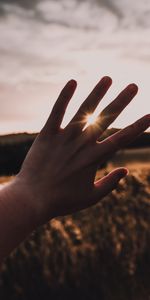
(17, 217)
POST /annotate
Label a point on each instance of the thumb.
(108, 183)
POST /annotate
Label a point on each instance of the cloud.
(74, 13)
(85, 14)
(28, 4)
(112, 6)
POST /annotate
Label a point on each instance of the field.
(102, 253)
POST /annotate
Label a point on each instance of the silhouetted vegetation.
(102, 253)
(14, 147)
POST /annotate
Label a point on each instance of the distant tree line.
(13, 150)
(14, 147)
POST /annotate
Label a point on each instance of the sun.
(90, 119)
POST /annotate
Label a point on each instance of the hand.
(58, 174)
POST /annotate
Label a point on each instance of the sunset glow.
(81, 40)
(91, 120)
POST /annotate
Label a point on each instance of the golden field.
(100, 253)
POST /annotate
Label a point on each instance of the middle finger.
(111, 112)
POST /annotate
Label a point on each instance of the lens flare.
(90, 119)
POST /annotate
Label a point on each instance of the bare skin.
(58, 173)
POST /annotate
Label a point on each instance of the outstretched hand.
(58, 173)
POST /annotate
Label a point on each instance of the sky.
(45, 43)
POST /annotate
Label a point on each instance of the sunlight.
(90, 120)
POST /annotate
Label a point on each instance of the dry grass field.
(102, 253)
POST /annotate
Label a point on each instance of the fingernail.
(148, 117)
(106, 80)
(124, 173)
(146, 120)
(133, 88)
(72, 83)
(143, 123)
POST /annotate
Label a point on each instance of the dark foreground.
(101, 253)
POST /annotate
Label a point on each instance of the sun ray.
(90, 119)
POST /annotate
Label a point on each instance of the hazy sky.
(44, 43)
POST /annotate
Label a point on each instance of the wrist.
(32, 200)
(18, 217)
(22, 192)
(16, 200)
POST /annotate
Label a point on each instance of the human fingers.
(123, 137)
(55, 119)
(103, 150)
(88, 106)
(108, 183)
(111, 112)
